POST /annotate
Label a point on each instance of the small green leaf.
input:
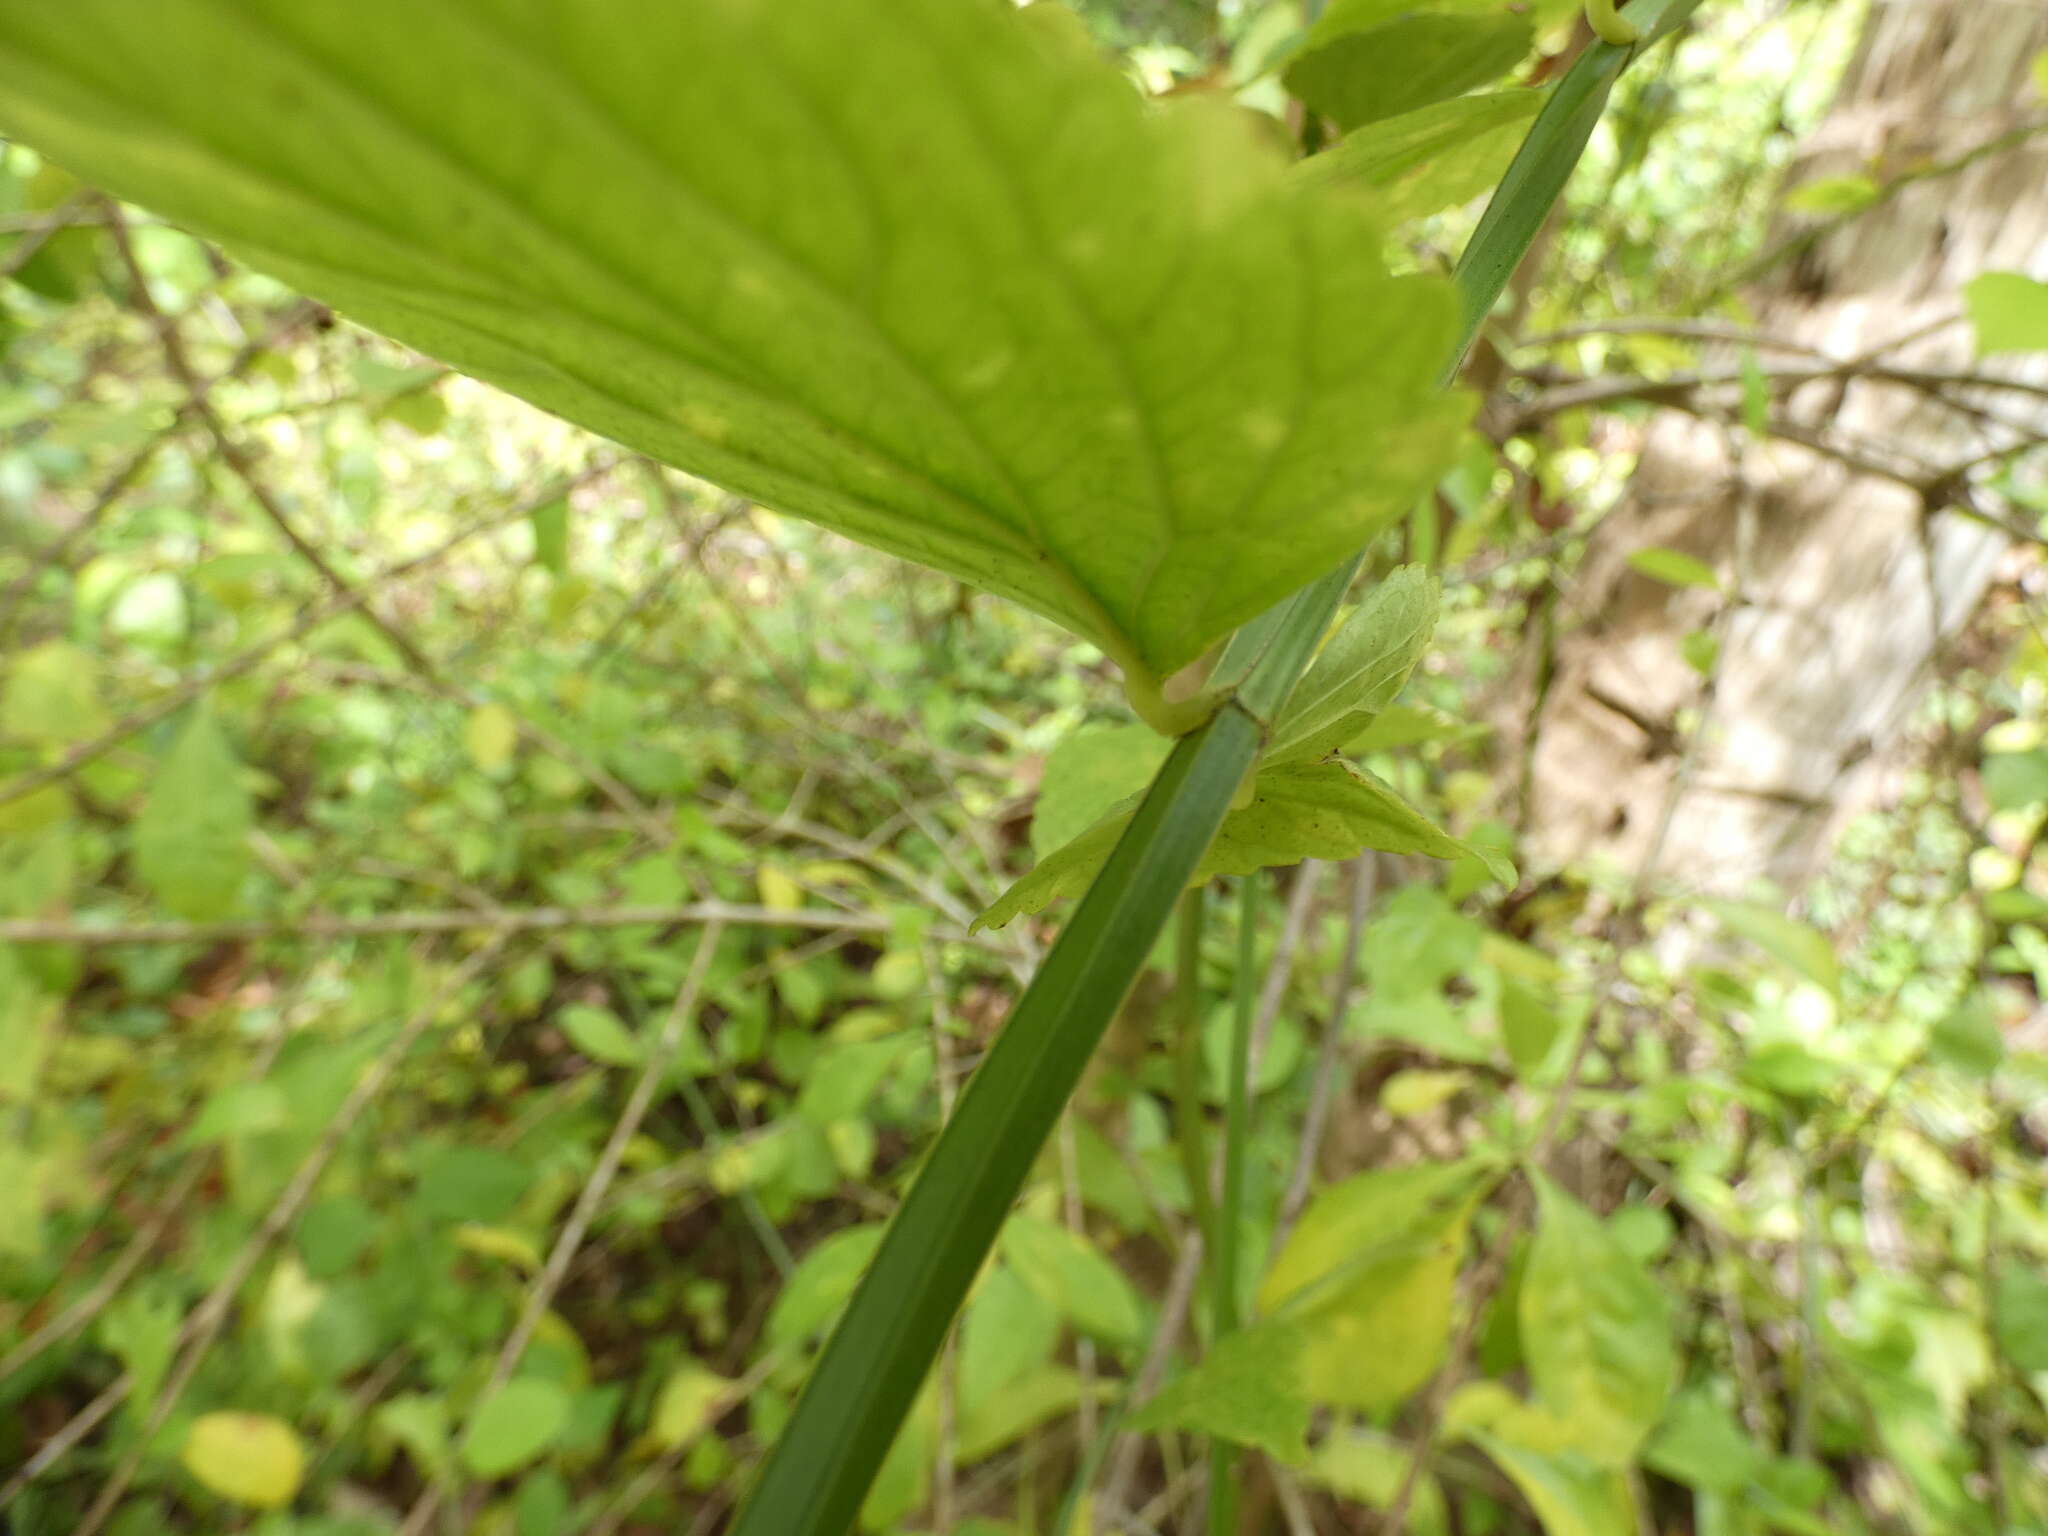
(2015, 780)
(823, 1280)
(240, 1109)
(1673, 568)
(542, 1507)
(1799, 945)
(2009, 310)
(1419, 163)
(419, 1423)
(1756, 395)
(1835, 195)
(512, 1426)
(1700, 1444)
(1421, 1089)
(1247, 1390)
(1069, 1273)
(1086, 775)
(191, 841)
(1314, 810)
(24, 1181)
(52, 696)
(845, 1076)
(1966, 1038)
(141, 1331)
(247, 1458)
(1700, 649)
(499, 1243)
(599, 1034)
(1529, 1027)
(1360, 63)
(989, 1424)
(469, 1183)
(1009, 1330)
(2020, 1315)
(1369, 1469)
(1596, 1330)
(685, 1405)
(550, 524)
(1360, 671)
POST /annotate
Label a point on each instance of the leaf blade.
(1004, 366)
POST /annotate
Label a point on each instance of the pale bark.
(1848, 586)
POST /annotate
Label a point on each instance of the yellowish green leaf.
(491, 738)
(499, 1243)
(247, 1458)
(685, 1407)
(1596, 1330)
(1835, 195)
(51, 696)
(1674, 568)
(2009, 311)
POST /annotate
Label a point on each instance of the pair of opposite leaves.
(1302, 801)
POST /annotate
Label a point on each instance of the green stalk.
(1230, 1214)
(863, 1384)
(1187, 1000)
(819, 1470)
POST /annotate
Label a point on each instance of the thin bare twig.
(328, 925)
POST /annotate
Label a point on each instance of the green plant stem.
(1187, 998)
(818, 1472)
(1230, 1212)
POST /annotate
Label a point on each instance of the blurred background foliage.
(488, 935)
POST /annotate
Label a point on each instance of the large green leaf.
(1314, 810)
(191, 842)
(926, 271)
(1596, 1330)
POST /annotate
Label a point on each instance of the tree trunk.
(1848, 567)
